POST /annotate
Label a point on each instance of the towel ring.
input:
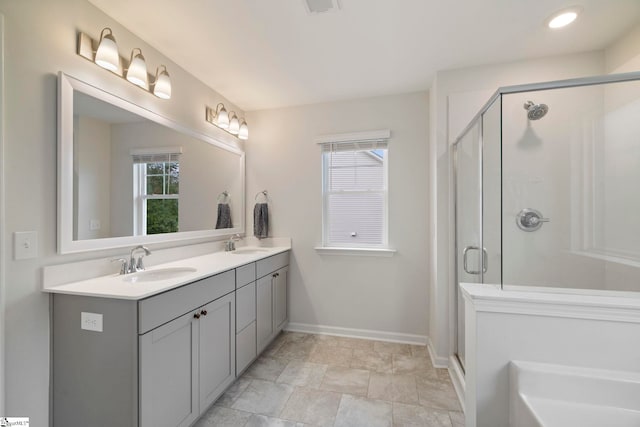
(265, 193)
(225, 196)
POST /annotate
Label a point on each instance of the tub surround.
(591, 330)
(116, 286)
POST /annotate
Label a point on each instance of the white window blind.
(355, 193)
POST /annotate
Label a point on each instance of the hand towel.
(224, 216)
(261, 220)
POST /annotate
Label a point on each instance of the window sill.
(376, 252)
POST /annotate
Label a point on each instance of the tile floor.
(319, 380)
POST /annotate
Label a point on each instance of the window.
(156, 190)
(355, 193)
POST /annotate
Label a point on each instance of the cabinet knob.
(203, 312)
(197, 315)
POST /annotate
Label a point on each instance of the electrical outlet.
(25, 244)
(91, 321)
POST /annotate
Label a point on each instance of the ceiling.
(272, 53)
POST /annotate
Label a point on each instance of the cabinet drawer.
(271, 264)
(245, 274)
(245, 347)
(160, 309)
(245, 306)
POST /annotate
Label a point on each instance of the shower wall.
(577, 165)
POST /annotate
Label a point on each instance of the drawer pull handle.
(197, 315)
(203, 312)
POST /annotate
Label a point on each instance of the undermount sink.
(159, 274)
(249, 251)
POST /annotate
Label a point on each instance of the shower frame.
(477, 119)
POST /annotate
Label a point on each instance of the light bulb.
(162, 85)
(107, 54)
(234, 124)
(563, 17)
(137, 72)
(222, 117)
(243, 132)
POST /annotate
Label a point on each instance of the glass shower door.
(469, 252)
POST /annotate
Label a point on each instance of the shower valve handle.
(530, 219)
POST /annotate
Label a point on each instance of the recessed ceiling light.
(563, 17)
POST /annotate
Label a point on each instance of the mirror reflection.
(135, 177)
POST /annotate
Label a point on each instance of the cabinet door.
(217, 358)
(168, 374)
(264, 311)
(280, 299)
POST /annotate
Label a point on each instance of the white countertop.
(114, 285)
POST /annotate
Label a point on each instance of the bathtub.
(546, 395)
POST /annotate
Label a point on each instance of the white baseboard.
(457, 378)
(438, 361)
(358, 333)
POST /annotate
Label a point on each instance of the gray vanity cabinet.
(271, 298)
(163, 360)
(217, 348)
(169, 374)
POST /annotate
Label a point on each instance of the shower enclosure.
(547, 189)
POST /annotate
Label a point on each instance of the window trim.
(329, 248)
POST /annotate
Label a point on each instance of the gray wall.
(40, 41)
(353, 292)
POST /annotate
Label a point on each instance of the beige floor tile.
(443, 374)
(403, 364)
(346, 380)
(266, 368)
(303, 374)
(457, 419)
(437, 394)
(331, 355)
(419, 351)
(275, 345)
(296, 336)
(372, 360)
(392, 347)
(393, 388)
(354, 343)
(418, 416)
(327, 340)
(232, 393)
(300, 350)
(312, 407)
(362, 412)
(218, 416)
(262, 421)
(264, 398)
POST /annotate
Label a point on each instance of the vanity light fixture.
(107, 54)
(137, 71)
(234, 124)
(104, 53)
(229, 123)
(563, 18)
(243, 133)
(162, 83)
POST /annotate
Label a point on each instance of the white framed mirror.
(128, 176)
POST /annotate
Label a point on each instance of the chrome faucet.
(230, 244)
(136, 264)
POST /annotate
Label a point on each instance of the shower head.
(535, 111)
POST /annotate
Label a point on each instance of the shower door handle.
(484, 260)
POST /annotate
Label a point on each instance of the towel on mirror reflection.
(224, 216)
(261, 220)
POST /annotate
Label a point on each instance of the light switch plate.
(91, 321)
(25, 244)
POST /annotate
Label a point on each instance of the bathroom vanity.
(147, 350)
